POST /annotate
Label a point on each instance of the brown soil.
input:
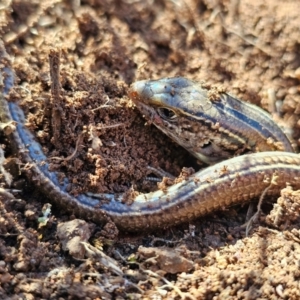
(251, 48)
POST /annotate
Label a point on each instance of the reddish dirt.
(251, 48)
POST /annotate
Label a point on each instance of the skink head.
(181, 109)
(212, 129)
(170, 98)
(170, 93)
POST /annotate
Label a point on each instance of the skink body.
(233, 181)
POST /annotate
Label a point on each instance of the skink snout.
(141, 91)
(152, 92)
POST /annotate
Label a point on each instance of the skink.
(233, 181)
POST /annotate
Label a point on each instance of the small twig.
(247, 41)
(250, 211)
(54, 61)
(78, 142)
(165, 241)
(56, 118)
(75, 125)
(102, 258)
(256, 215)
(168, 284)
(110, 126)
(102, 106)
(160, 172)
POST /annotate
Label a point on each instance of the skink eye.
(166, 113)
